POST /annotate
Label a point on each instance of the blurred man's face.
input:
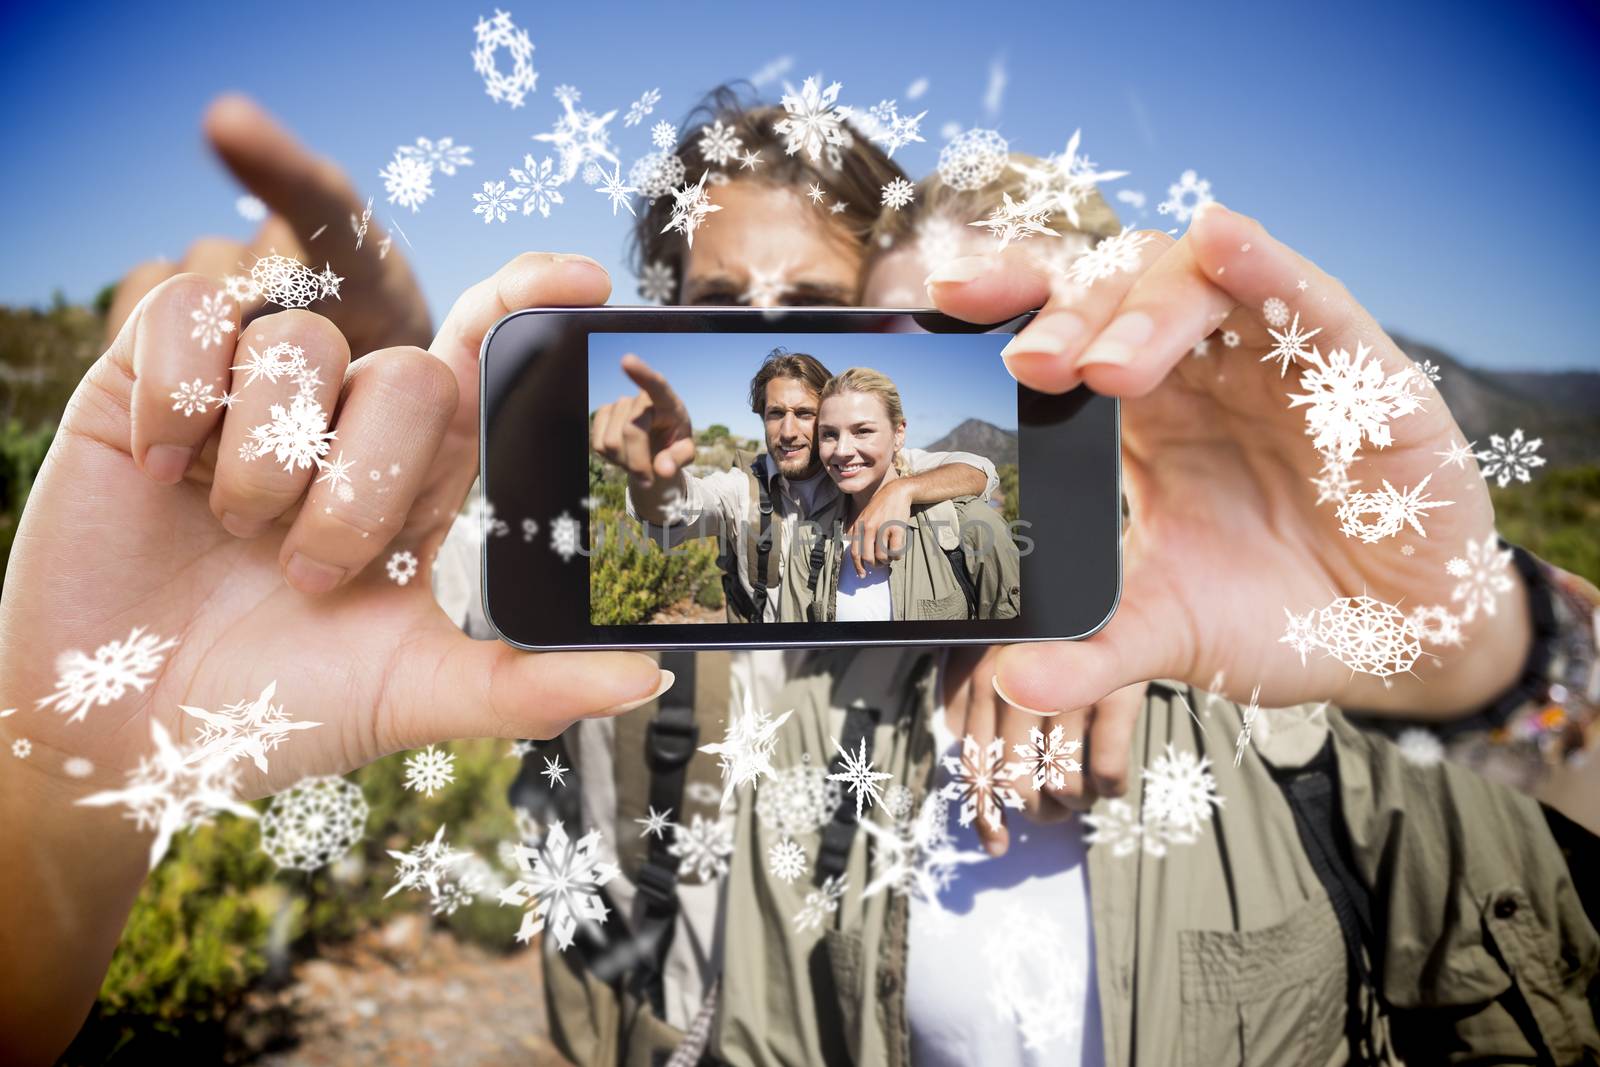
(895, 280)
(769, 247)
(790, 420)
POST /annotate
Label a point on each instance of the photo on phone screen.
(826, 430)
(740, 478)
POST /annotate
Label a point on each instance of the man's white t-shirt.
(1001, 972)
(862, 599)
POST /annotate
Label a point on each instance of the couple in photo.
(836, 521)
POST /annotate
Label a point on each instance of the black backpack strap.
(819, 548)
(1312, 792)
(763, 548)
(958, 564)
(860, 724)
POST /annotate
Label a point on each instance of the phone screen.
(695, 477)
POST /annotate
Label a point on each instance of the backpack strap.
(819, 549)
(1312, 792)
(860, 724)
(761, 560)
(958, 565)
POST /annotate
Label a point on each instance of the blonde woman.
(959, 561)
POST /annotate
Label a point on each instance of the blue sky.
(1438, 158)
(942, 379)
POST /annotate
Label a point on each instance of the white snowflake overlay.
(1046, 761)
(973, 159)
(443, 871)
(1364, 634)
(1481, 577)
(313, 822)
(1032, 983)
(821, 902)
(246, 728)
(1349, 399)
(494, 34)
(812, 122)
(1185, 195)
(1375, 516)
(745, 754)
(703, 846)
(1508, 458)
(859, 775)
(981, 780)
(560, 884)
(167, 792)
(1179, 793)
(429, 770)
(916, 857)
(84, 681)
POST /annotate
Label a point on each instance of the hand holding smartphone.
(743, 478)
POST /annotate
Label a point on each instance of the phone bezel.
(658, 636)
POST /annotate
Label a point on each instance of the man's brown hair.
(857, 182)
(782, 363)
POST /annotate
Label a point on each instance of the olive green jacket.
(1221, 952)
(922, 584)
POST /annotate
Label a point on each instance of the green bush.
(1556, 517)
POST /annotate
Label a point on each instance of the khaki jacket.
(922, 584)
(1224, 951)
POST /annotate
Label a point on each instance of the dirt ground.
(410, 994)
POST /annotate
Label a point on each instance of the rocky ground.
(407, 994)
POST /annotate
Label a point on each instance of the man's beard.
(801, 466)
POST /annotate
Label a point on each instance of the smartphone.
(1006, 517)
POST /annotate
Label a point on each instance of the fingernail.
(166, 463)
(1116, 342)
(665, 683)
(1045, 336)
(958, 270)
(995, 846)
(1001, 693)
(240, 526)
(573, 257)
(1207, 208)
(312, 576)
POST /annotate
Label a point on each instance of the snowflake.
(691, 205)
(1184, 195)
(821, 902)
(1419, 747)
(530, 529)
(1349, 398)
(433, 865)
(1047, 760)
(560, 884)
(567, 95)
(1368, 635)
(858, 775)
(286, 282)
(77, 767)
(430, 770)
(536, 186)
(656, 175)
(980, 778)
(664, 135)
(212, 319)
(250, 208)
(1064, 181)
(592, 173)
(745, 754)
(811, 120)
(897, 194)
(313, 822)
(84, 681)
(1458, 455)
(1482, 577)
(22, 748)
(1275, 311)
(564, 536)
(280, 360)
(702, 793)
(337, 474)
(1333, 481)
(167, 793)
(444, 156)
(749, 160)
(655, 822)
(1301, 633)
(645, 105)
(973, 159)
(1289, 345)
(798, 800)
(579, 136)
(408, 180)
(1110, 256)
(766, 288)
(786, 860)
(296, 437)
(1436, 624)
(494, 34)
(240, 287)
(1248, 721)
(494, 203)
(718, 143)
(1032, 983)
(191, 397)
(1429, 370)
(1508, 458)
(704, 846)
(401, 568)
(1012, 221)
(246, 728)
(1179, 793)
(658, 283)
(1391, 509)
(1117, 828)
(916, 857)
(612, 185)
(1230, 338)
(555, 772)
(883, 123)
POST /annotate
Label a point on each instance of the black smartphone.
(997, 509)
